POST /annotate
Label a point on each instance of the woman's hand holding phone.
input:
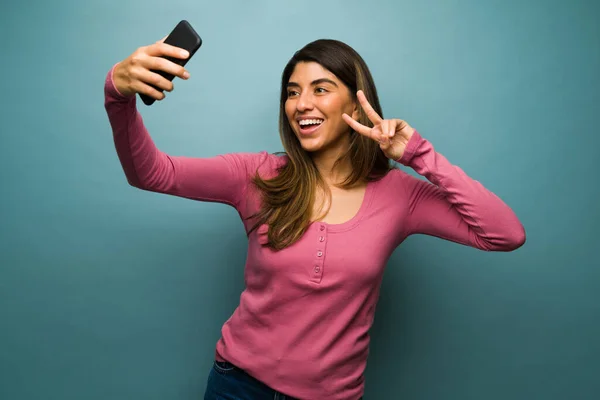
(136, 73)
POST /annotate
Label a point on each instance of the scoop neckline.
(352, 222)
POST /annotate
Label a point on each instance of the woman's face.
(316, 100)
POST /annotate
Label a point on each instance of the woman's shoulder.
(395, 174)
(396, 179)
(269, 163)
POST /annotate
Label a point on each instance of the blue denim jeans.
(228, 382)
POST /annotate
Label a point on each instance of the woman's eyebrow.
(313, 83)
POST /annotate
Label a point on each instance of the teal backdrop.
(109, 292)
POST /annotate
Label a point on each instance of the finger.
(385, 131)
(371, 113)
(143, 88)
(401, 124)
(152, 78)
(162, 64)
(404, 129)
(393, 126)
(161, 49)
(383, 139)
(357, 126)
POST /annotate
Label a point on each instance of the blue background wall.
(108, 292)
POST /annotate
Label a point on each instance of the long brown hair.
(288, 198)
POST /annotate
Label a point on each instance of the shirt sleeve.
(454, 206)
(222, 178)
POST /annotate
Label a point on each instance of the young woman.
(322, 219)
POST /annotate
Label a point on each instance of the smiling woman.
(322, 220)
(320, 83)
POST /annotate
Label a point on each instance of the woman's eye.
(321, 90)
(292, 93)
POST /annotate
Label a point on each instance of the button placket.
(317, 270)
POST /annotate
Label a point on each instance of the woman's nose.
(304, 102)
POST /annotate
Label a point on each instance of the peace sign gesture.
(391, 134)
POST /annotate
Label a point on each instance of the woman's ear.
(355, 110)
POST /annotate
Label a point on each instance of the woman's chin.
(310, 145)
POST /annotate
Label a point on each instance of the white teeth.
(310, 122)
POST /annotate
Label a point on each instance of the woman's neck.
(325, 165)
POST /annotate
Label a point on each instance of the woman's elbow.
(515, 239)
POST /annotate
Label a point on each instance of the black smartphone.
(185, 37)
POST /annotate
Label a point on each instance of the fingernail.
(184, 53)
(186, 74)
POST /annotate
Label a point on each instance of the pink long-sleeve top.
(302, 324)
